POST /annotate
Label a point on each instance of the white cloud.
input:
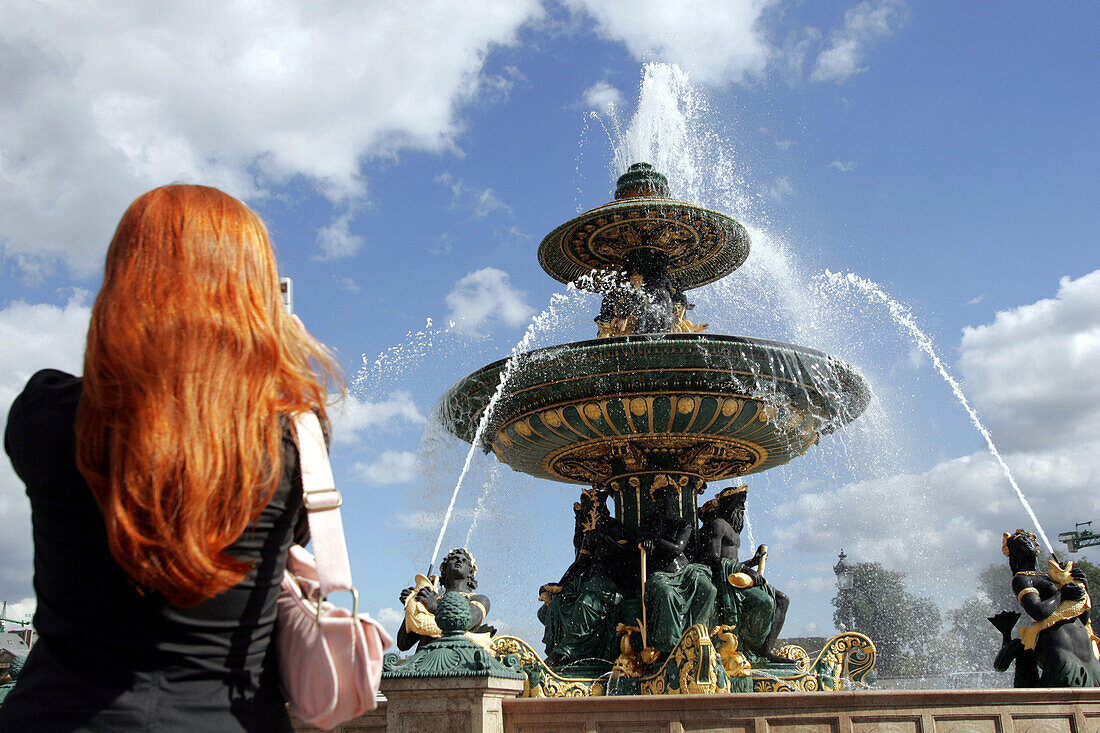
(781, 189)
(390, 618)
(347, 283)
(97, 106)
(602, 97)
(484, 297)
(431, 521)
(352, 415)
(480, 201)
(1033, 371)
(784, 145)
(20, 611)
(442, 245)
(716, 41)
(976, 299)
(336, 242)
(35, 336)
(392, 467)
(791, 58)
(865, 24)
(842, 166)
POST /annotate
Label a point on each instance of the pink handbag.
(330, 659)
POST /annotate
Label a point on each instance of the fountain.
(648, 414)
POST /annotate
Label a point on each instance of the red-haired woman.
(164, 484)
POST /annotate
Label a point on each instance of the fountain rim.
(860, 392)
(652, 337)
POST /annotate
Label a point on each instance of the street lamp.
(845, 574)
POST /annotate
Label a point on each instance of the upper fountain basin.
(711, 405)
(701, 245)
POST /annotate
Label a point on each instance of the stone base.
(903, 711)
(451, 704)
(926, 711)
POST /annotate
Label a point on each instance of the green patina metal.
(709, 407)
(641, 179)
(452, 655)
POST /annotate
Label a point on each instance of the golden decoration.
(552, 684)
(627, 664)
(592, 411)
(418, 619)
(731, 406)
(1066, 610)
(551, 418)
(685, 405)
(734, 662)
(638, 406)
(523, 427)
(740, 580)
(695, 661)
(797, 655)
(846, 656)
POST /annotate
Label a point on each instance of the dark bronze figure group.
(660, 579)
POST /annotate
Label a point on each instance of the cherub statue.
(1061, 637)
(745, 599)
(456, 573)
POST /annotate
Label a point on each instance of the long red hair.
(190, 362)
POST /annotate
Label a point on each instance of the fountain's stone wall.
(924, 711)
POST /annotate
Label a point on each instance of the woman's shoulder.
(39, 434)
(47, 391)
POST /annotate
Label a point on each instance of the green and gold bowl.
(712, 406)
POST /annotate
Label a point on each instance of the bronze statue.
(1062, 639)
(456, 573)
(1012, 650)
(644, 303)
(677, 592)
(745, 599)
(579, 612)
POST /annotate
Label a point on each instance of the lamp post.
(844, 577)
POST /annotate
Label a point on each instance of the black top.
(110, 657)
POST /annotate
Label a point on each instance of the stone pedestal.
(447, 704)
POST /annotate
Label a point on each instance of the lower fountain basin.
(709, 405)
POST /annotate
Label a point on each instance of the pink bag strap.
(322, 501)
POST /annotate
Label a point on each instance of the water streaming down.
(904, 317)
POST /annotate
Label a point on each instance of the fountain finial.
(641, 179)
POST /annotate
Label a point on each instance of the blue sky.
(408, 159)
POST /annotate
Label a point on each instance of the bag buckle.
(334, 500)
(354, 604)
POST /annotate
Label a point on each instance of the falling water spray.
(904, 317)
(518, 351)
